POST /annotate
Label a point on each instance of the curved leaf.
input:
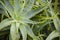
(30, 21)
(34, 12)
(54, 34)
(28, 5)
(5, 23)
(13, 32)
(16, 6)
(23, 31)
(29, 31)
(8, 7)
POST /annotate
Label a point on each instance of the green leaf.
(16, 6)
(3, 10)
(5, 23)
(13, 32)
(8, 7)
(53, 35)
(29, 31)
(57, 24)
(34, 12)
(30, 21)
(29, 4)
(23, 32)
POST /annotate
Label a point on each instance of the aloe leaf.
(13, 32)
(8, 7)
(29, 31)
(34, 12)
(53, 35)
(23, 32)
(57, 24)
(30, 21)
(16, 6)
(29, 5)
(3, 10)
(5, 23)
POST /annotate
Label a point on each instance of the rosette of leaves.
(20, 12)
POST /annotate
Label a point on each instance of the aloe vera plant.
(20, 12)
(30, 19)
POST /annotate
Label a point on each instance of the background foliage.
(29, 20)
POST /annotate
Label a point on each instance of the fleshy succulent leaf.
(32, 13)
(5, 23)
(29, 31)
(29, 4)
(53, 35)
(23, 32)
(14, 34)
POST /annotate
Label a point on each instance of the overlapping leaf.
(5, 23)
(53, 35)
